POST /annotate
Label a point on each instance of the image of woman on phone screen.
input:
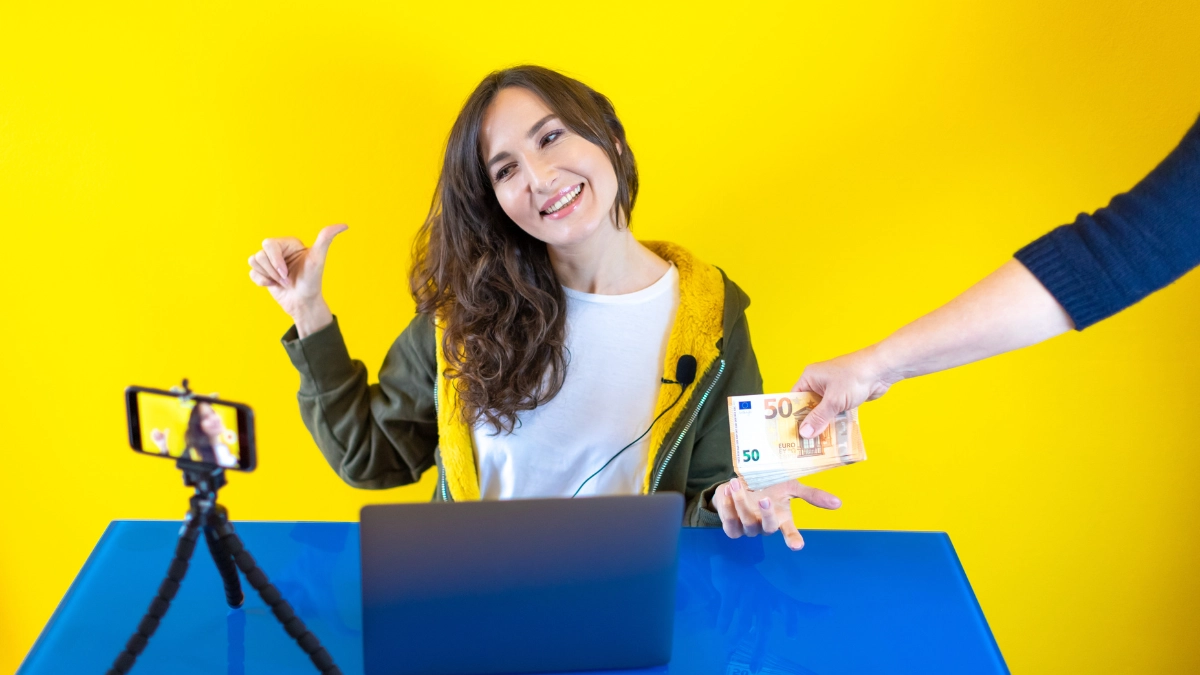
(205, 438)
(551, 350)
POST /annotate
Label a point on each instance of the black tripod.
(230, 556)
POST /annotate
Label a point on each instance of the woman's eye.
(503, 173)
(551, 137)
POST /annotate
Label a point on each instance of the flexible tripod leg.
(227, 550)
(161, 602)
(223, 559)
(283, 611)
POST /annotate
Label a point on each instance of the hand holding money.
(769, 449)
(844, 383)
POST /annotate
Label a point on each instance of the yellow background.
(850, 165)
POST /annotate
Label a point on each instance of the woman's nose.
(543, 175)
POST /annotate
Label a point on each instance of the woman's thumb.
(819, 418)
(325, 237)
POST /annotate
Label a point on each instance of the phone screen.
(196, 428)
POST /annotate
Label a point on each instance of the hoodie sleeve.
(373, 435)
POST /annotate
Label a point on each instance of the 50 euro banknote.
(764, 431)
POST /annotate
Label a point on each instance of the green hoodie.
(387, 434)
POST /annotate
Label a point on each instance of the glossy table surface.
(850, 602)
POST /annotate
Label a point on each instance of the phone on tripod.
(182, 425)
(198, 432)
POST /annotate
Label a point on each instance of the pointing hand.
(292, 273)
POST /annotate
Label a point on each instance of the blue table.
(851, 602)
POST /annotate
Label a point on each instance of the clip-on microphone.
(685, 375)
(685, 372)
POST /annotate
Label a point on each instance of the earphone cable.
(634, 442)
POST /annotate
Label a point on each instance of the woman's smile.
(563, 203)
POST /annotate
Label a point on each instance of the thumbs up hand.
(292, 273)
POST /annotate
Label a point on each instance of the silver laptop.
(520, 586)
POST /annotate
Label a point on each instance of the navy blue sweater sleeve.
(1143, 240)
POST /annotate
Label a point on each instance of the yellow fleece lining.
(699, 325)
(455, 441)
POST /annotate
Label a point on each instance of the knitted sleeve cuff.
(1044, 259)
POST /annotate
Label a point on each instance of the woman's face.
(210, 421)
(555, 185)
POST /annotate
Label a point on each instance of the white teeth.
(566, 199)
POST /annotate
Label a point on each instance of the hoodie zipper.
(442, 467)
(695, 412)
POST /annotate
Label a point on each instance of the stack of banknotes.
(767, 446)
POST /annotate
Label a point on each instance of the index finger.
(779, 518)
(791, 535)
(275, 255)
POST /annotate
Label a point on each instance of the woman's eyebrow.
(532, 131)
(499, 156)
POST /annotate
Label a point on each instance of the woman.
(205, 437)
(543, 359)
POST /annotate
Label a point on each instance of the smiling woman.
(552, 353)
(545, 136)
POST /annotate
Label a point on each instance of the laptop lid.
(519, 586)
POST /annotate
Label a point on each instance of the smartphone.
(197, 428)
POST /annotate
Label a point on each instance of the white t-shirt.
(224, 455)
(616, 346)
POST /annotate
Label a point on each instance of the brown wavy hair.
(488, 282)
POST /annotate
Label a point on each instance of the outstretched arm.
(1071, 277)
(1007, 310)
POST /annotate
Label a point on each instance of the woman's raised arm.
(373, 435)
